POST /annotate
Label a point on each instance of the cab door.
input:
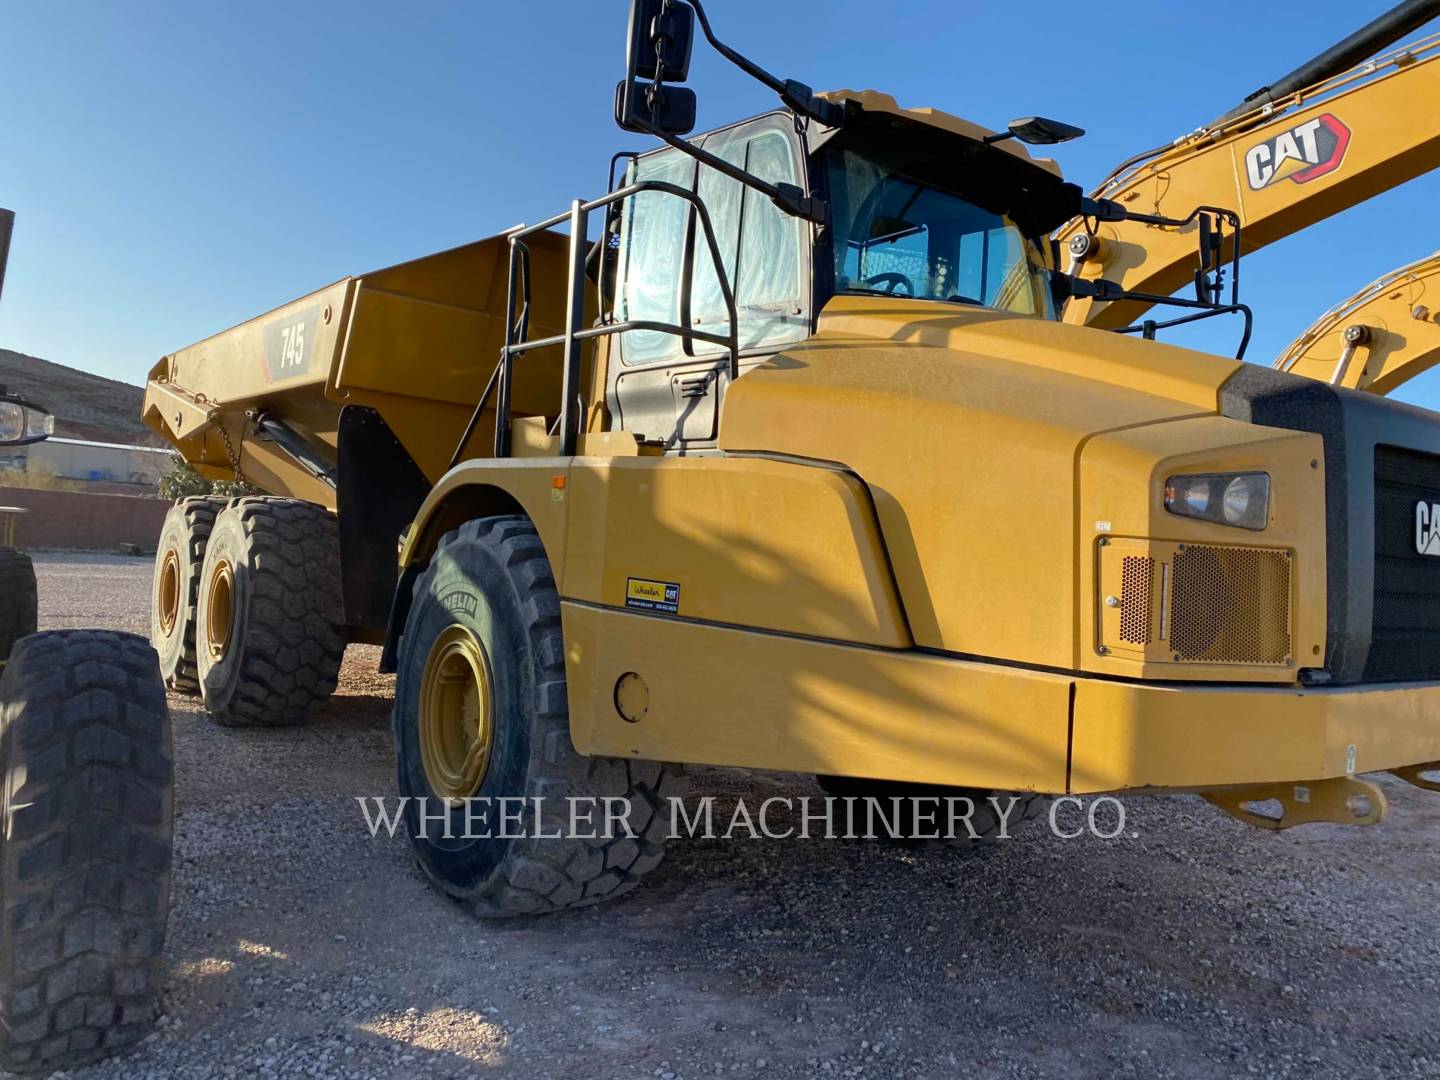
(663, 389)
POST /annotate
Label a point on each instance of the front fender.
(484, 487)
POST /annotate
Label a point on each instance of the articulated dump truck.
(796, 467)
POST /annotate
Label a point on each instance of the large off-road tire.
(483, 650)
(175, 591)
(18, 607)
(985, 821)
(269, 625)
(85, 828)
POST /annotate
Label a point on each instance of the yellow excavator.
(1382, 337)
(1334, 132)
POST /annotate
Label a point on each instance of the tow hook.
(1342, 800)
(1413, 774)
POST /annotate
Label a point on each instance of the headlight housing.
(1238, 499)
(22, 423)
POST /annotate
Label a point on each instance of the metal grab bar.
(574, 337)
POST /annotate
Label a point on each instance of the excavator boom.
(1281, 166)
(1381, 337)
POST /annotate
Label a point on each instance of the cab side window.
(760, 248)
(652, 248)
(770, 284)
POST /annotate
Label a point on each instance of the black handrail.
(524, 328)
(516, 331)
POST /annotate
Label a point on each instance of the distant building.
(112, 467)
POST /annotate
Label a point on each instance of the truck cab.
(920, 208)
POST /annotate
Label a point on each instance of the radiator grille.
(1405, 634)
(1135, 577)
(1230, 605)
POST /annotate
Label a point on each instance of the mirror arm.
(796, 95)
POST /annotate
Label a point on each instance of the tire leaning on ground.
(174, 593)
(984, 821)
(480, 711)
(270, 629)
(85, 831)
(18, 607)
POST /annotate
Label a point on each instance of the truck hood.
(967, 425)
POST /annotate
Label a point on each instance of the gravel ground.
(1191, 946)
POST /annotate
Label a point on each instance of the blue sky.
(179, 167)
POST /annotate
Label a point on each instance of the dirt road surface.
(1195, 947)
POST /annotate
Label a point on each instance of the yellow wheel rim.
(457, 714)
(220, 610)
(168, 602)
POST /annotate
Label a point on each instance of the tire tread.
(85, 848)
(290, 658)
(541, 875)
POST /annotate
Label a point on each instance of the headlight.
(12, 422)
(1239, 499)
(21, 423)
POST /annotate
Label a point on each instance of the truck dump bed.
(416, 342)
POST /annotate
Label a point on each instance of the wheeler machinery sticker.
(289, 344)
(1427, 528)
(1300, 153)
(652, 595)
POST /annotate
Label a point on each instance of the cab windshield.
(903, 228)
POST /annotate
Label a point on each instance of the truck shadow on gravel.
(298, 941)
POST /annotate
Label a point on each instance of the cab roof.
(874, 101)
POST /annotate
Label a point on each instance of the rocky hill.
(85, 406)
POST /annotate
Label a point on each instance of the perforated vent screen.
(1230, 605)
(1135, 577)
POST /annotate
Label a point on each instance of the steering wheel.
(893, 280)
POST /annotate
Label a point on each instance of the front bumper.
(1142, 736)
(723, 695)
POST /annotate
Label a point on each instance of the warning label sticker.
(652, 595)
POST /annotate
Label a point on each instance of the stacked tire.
(18, 606)
(85, 831)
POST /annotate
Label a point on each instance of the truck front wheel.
(269, 625)
(483, 747)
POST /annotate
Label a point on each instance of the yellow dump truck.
(796, 467)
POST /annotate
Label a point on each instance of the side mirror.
(22, 423)
(657, 55)
(1037, 131)
(670, 109)
(663, 29)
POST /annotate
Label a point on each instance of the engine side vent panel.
(1165, 603)
(1230, 605)
(1136, 599)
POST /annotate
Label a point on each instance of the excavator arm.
(1381, 337)
(1281, 166)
